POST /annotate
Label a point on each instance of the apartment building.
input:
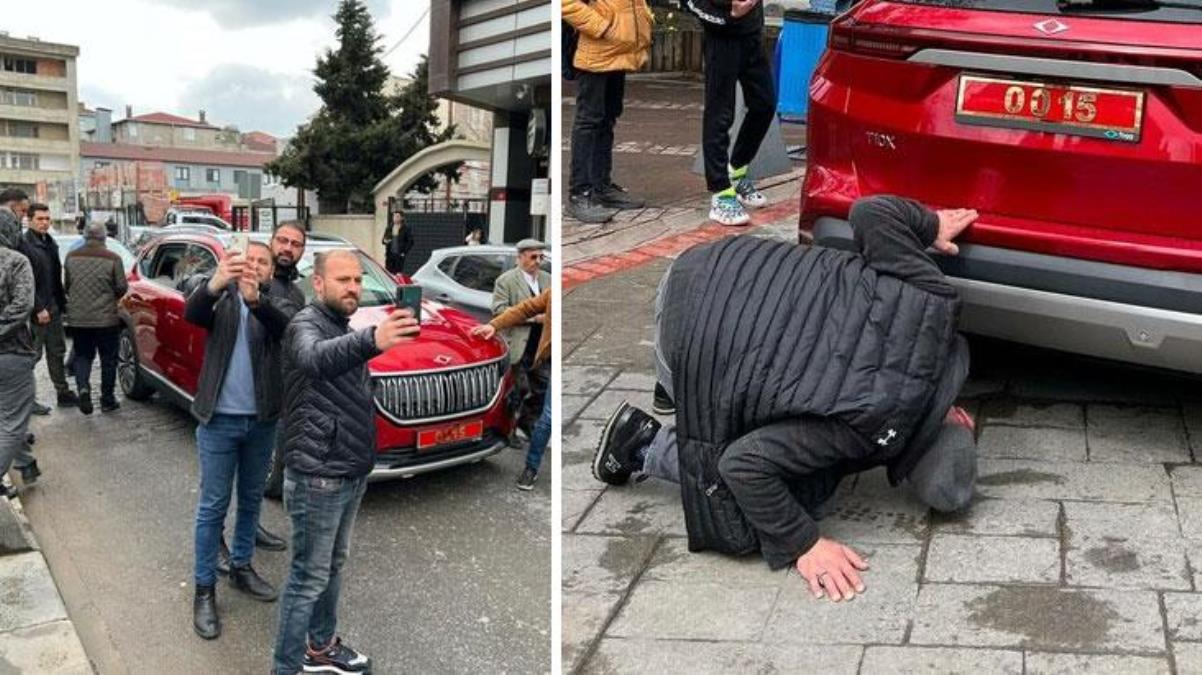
(39, 123)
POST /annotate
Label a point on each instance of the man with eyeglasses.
(511, 289)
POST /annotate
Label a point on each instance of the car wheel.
(129, 374)
(273, 488)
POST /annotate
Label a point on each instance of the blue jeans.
(541, 434)
(230, 446)
(323, 515)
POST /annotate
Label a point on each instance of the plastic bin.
(802, 41)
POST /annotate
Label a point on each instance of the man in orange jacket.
(615, 38)
(516, 316)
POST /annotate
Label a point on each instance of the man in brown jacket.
(540, 305)
(94, 281)
(615, 38)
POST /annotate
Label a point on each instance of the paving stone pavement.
(1082, 551)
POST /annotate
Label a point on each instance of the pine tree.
(360, 133)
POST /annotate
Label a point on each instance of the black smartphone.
(411, 297)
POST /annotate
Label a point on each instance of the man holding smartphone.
(237, 403)
(329, 449)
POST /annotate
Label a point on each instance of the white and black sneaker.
(335, 658)
(662, 404)
(526, 480)
(627, 431)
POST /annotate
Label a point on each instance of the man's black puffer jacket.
(778, 331)
(329, 416)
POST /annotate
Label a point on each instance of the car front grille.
(431, 396)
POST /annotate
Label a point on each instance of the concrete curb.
(36, 635)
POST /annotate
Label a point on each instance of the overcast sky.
(246, 62)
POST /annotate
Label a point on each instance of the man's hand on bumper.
(833, 569)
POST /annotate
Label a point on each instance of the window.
(213, 175)
(133, 130)
(183, 174)
(17, 129)
(189, 134)
(17, 64)
(197, 260)
(23, 160)
(166, 260)
(21, 97)
(479, 272)
(448, 264)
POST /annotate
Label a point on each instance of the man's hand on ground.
(951, 223)
(485, 331)
(832, 568)
(740, 8)
(397, 328)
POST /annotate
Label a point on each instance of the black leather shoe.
(268, 541)
(85, 401)
(588, 210)
(223, 558)
(662, 404)
(67, 399)
(30, 473)
(109, 404)
(204, 613)
(249, 582)
(30, 439)
(628, 430)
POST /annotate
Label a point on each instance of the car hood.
(445, 341)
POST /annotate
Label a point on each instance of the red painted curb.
(595, 268)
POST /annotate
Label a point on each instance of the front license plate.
(1112, 114)
(450, 433)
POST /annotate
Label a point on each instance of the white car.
(463, 276)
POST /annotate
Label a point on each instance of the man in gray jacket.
(94, 279)
(511, 289)
(16, 354)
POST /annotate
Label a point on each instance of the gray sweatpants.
(661, 458)
(16, 405)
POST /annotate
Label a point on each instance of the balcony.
(35, 114)
(39, 82)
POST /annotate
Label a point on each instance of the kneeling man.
(792, 367)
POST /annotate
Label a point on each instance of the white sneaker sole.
(753, 203)
(730, 222)
(606, 433)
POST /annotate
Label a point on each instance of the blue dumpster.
(802, 41)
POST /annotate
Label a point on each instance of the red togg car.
(441, 401)
(1073, 127)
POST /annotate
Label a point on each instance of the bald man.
(329, 446)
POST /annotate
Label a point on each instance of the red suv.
(441, 401)
(1074, 128)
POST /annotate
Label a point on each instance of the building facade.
(496, 55)
(39, 124)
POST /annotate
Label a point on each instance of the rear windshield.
(1173, 15)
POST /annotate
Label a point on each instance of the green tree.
(361, 132)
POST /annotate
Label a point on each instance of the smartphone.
(238, 244)
(410, 296)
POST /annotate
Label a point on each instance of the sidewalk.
(36, 635)
(1080, 553)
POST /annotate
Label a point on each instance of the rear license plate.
(1112, 114)
(450, 433)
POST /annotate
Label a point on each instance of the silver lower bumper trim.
(384, 473)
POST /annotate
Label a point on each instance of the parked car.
(194, 215)
(441, 401)
(69, 242)
(1074, 128)
(463, 276)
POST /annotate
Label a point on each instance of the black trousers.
(598, 107)
(730, 61)
(89, 341)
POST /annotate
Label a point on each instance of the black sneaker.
(39, 409)
(109, 404)
(616, 197)
(30, 473)
(587, 210)
(67, 399)
(336, 658)
(627, 430)
(663, 404)
(526, 480)
(85, 401)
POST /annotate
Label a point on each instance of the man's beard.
(336, 305)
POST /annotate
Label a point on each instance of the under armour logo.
(887, 438)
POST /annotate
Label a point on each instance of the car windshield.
(70, 242)
(1121, 11)
(379, 288)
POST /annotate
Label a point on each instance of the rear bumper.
(1136, 315)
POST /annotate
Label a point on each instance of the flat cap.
(529, 244)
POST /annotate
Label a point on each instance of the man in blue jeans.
(329, 446)
(237, 404)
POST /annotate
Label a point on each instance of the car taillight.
(886, 42)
